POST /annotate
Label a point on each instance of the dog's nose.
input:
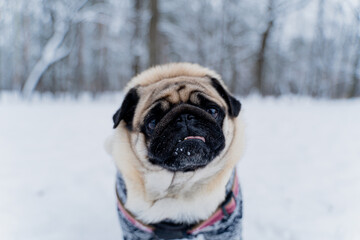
(185, 118)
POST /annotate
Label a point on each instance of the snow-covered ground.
(300, 173)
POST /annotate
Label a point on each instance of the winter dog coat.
(224, 224)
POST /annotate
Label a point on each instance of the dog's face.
(178, 122)
(184, 136)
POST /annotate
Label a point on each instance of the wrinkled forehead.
(174, 91)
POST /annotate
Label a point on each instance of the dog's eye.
(213, 111)
(151, 124)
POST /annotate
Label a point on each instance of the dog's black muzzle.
(185, 139)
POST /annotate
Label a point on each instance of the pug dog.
(177, 139)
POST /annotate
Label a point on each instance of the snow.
(300, 174)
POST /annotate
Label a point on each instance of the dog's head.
(179, 117)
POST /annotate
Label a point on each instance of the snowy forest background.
(63, 63)
(274, 47)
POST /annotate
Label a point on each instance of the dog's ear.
(233, 104)
(127, 110)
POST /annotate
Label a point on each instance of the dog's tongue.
(195, 137)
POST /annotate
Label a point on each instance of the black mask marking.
(169, 148)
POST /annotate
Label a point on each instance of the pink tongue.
(195, 137)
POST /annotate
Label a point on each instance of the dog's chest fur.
(166, 192)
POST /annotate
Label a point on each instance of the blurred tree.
(354, 87)
(260, 62)
(54, 50)
(272, 46)
(153, 45)
(136, 38)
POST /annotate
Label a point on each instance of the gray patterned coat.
(225, 226)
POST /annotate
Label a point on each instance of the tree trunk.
(317, 49)
(153, 34)
(136, 37)
(356, 65)
(355, 75)
(79, 71)
(52, 52)
(260, 63)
